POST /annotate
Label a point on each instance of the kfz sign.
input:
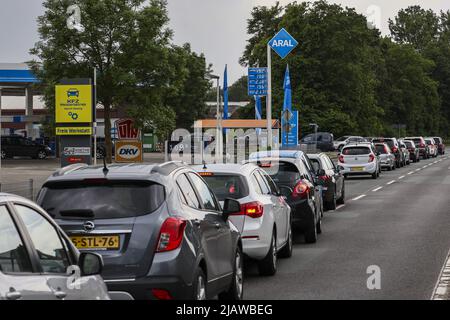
(283, 43)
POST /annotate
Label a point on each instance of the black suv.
(160, 229)
(17, 146)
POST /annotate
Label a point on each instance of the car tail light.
(325, 178)
(252, 209)
(301, 190)
(422, 145)
(394, 149)
(171, 234)
(161, 294)
(371, 157)
(341, 159)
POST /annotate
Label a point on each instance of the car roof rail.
(168, 167)
(69, 168)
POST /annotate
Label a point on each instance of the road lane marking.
(443, 283)
(359, 197)
(376, 189)
(390, 182)
(413, 172)
(417, 170)
(340, 207)
(399, 178)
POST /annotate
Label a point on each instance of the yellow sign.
(73, 103)
(74, 131)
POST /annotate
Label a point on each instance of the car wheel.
(199, 287)
(236, 291)
(286, 252)
(319, 226)
(332, 204)
(311, 233)
(268, 265)
(341, 200)
(374, 175)
(3, 154)
(41, 155)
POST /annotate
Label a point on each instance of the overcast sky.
(215, 27)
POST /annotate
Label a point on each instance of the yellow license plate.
(96, 242)
(357, 169)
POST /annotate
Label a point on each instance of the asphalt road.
(403, 228)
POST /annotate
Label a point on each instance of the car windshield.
(355, 151)
(342, 138)
(389, 142)
(101, 199)
(409, 144)
(227, 186)
(283, 173)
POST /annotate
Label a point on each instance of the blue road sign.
(283, 43)
(257, 81)
(290, 139)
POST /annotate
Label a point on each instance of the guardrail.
(27, 189)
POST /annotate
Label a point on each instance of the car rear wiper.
(80, 213)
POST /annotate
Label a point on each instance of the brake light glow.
(252, 209)
(265, 165)
(301, 190)
(171, 234)
(206, 174)
(161, 294)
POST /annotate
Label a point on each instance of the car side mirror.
(90, 263)
(285, 191)
(230, 206)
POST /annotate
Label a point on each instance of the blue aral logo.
(283, 43)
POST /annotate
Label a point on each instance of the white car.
(432, 147)
(344, 140)
(359, 159)
(265, 217)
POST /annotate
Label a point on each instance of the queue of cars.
(173, 231)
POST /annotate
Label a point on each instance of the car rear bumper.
(365, 168)
(141, 288)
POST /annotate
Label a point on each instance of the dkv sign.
(129, 151)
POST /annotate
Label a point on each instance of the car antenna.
(204, 165)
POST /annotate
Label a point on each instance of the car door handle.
(60, 294)
(217, 225)
(14, 295)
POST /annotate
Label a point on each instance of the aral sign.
(283, 43)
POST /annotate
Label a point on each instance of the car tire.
(332, 204)
(341, 200)
(319, 226)
(286, 252)
(3, 155)
(268, 265)
(375, 175)
(236, 290)
(199, 286)
(311, 233)
(41, 155)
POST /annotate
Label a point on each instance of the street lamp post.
(218, 117)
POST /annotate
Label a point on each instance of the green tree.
(333, 70)
(126, 40)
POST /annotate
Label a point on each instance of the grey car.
(39, 262)
(387, 158)
(161, 231)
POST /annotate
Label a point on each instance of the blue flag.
(258, 108)
(225, 94)
(287, 104)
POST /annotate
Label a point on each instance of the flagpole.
(269, 97)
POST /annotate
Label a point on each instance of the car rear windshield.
(102, 199)
(355, 151)
(381, 148)
(409, 144)
(227, 186)
(283, 173)
(389, 142)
